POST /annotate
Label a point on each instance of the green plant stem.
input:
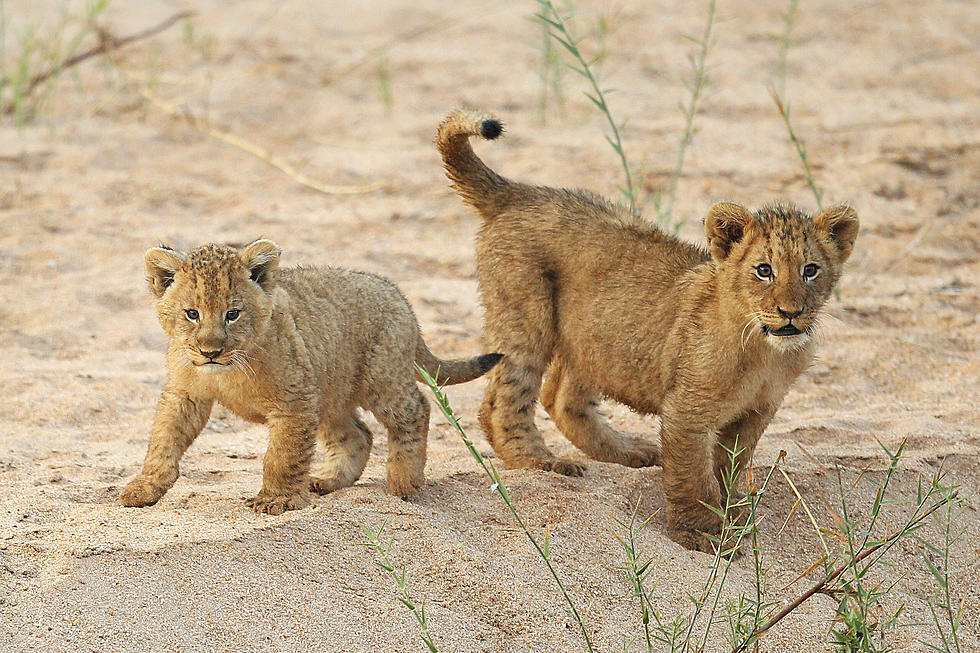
(498, 485)
(597, 96)
(785, 42)
(755, 498)
(941, 575)
(664, 212)
(417, 608)
(885, 544)
(382, 72)
(550, 75)
(800, 148)
(854, 589)
(730, 531)
(637, 572)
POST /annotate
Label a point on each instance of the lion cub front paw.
(140, 492)
(276, 504)
(696, 540)
(692, 539)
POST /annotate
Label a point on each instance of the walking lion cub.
(297, 349)
(604, 304)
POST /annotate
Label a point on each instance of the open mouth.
(788, 330)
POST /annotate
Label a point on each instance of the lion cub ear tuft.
(261, 259)
(162, 264)
(839, 224)
(725, 225)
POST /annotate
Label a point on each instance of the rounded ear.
(839, 224)
(725, 225)
(261, 259)
(162, 264)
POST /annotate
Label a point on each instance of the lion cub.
(610, 306)
(299, 349)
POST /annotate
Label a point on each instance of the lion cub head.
(214, 301)
(780, 265)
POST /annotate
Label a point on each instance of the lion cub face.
(214, 301)
(781, 264)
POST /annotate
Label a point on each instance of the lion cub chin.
(601, 303)
(298, 349)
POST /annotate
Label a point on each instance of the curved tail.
(478, 185)
(459, 370)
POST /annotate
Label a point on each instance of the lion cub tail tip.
(463, 123)
(490, 129)
(487, 361)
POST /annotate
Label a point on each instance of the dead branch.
(106, 44)
(203, 126)
(819, 586)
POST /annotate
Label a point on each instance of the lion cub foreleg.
(179, 420)
(286, 466)
(690, 483)
(736, 445)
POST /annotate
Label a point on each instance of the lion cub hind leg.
(575, 409)
(347, 445)
(507, 415)
(406, 417)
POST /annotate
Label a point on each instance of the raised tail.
(459, 370)
(478, 185)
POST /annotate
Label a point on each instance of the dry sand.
(887, 95)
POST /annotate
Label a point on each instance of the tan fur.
(610, 306)
(308, 347)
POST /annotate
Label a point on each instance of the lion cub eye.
(763, 271)
(810, 271)
(192, 315)
(232, 315)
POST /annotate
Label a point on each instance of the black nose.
(211, 354)
(788, 315)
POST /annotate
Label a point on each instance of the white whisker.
(752, 319)
(239, 357)
(256, 346)
(824, 315)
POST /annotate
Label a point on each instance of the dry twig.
(254, 149)
(106, 44)
(820, 585)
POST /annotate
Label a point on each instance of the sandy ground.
(886, 94)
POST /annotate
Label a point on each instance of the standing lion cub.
(297, 349)
(610, 306)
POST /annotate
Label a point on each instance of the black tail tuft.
(488, 360)
(491, 129)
